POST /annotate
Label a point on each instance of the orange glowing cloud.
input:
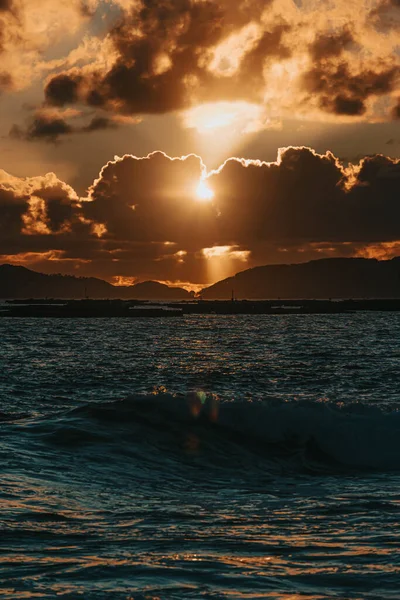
(290, 60)
(226, 252)
(301, 206)
(382, 251)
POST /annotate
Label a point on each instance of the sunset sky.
(186, 140)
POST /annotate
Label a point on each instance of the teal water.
(203, 457)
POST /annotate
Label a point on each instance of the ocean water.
(203, 457)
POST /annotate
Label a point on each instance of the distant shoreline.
(58, 308)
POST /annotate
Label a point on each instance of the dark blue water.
(204, 457)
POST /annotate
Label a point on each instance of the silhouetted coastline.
(56, 308)
(87, 309)
(333, 278)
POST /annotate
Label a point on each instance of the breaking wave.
(305, 435)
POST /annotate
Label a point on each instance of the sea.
(235, 457)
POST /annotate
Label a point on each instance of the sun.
(203, 192)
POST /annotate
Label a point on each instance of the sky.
(186, 140)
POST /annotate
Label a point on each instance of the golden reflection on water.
(10, 592)
(137, 509)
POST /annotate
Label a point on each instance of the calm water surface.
(204, 457)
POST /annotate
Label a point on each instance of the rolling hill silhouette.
(325, 278)
(19, 282)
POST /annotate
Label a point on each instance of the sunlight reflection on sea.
(208, 457)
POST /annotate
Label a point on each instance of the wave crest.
(356, 436)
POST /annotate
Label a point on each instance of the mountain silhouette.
(319, 279)
(20, 283)
(325, 278)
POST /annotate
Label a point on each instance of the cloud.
(62, 89)
(6, 82)
(12, 209)
(330, 45)
(29, 30)
(339, 88)
(38, 205)
(171, 54)
(141, 217)
(307, 197)
(312, 60)
(99, 124)
(293, 60)
(396, 110)
(150, 199)
(386, 15)
(49, 127)
(316, 61)
(42, 128)
(5, 5)
(158, 46)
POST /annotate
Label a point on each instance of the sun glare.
(224, 261)
(245, 117)
(221, 127)
(203, 192)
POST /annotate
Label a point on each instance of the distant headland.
(333, 278)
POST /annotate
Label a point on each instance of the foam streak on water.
(208, 457)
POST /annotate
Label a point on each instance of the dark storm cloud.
(6, 81)
(288, 199)
(62, 212)
(330, 45)
(41, 205)
(99, 124)
(12, 207)
(87, 9)
(309, 197)
(303, 198)
(396, 110)
(155, 57)
(342, 92)
(142, 217)
(178, 30)
(163, 51)
(333, 79)
(62, 89)
(270, 45)
(386, 15)
(6, 5)
(50, 128)
(165, 59)
(151, 200)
